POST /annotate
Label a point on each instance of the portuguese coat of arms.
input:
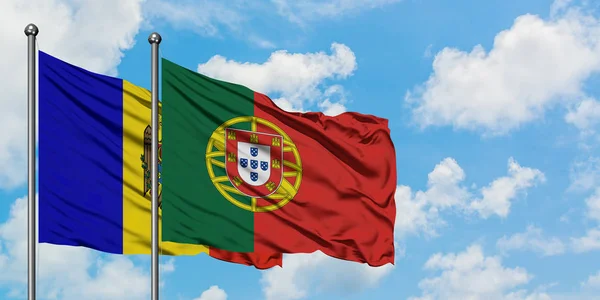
(253, 161)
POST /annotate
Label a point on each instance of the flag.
(94, 166)
(242, 174)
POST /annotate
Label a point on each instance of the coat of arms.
(147, 165)
(253, 161)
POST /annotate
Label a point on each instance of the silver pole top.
(31, 29)
(154, 38)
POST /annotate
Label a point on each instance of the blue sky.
(493, 111)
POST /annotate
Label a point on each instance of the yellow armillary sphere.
(229, 186)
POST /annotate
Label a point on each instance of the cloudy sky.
(493, 110)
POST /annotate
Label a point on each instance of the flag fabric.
(242, 174)
(94, 166)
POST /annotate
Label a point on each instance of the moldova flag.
(241, 174)
(94, 166)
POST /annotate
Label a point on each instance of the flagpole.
(31, 32)
(154, 39)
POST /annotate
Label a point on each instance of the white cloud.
(307, 273)
(497, 196)
(524, 295)
(585, 115)
(211, 18)
(593, 205)
(589, 242)
(203, 17)
(420, 212)
(533, 66)
(261, 42)
(559, 6)
(427, 53)
(443, 185)
(298, 78)
(67, 272)
(585, 174)
(286, 105)
(168, 266)
(331, 109)
(472, 275)
(213, 293)
(214, 18)
(593, 282)
(301, 11)
(334, 101)
(76, 31)
(533, 240)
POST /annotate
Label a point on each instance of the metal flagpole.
(31, 32)
(154, 40)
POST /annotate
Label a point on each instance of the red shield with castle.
(254, 161)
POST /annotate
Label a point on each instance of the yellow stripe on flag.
(136, 206)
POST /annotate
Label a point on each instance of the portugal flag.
(243, 175)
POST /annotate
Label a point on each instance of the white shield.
(254, 163)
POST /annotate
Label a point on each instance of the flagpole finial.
(31, 29)
(154, 38)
